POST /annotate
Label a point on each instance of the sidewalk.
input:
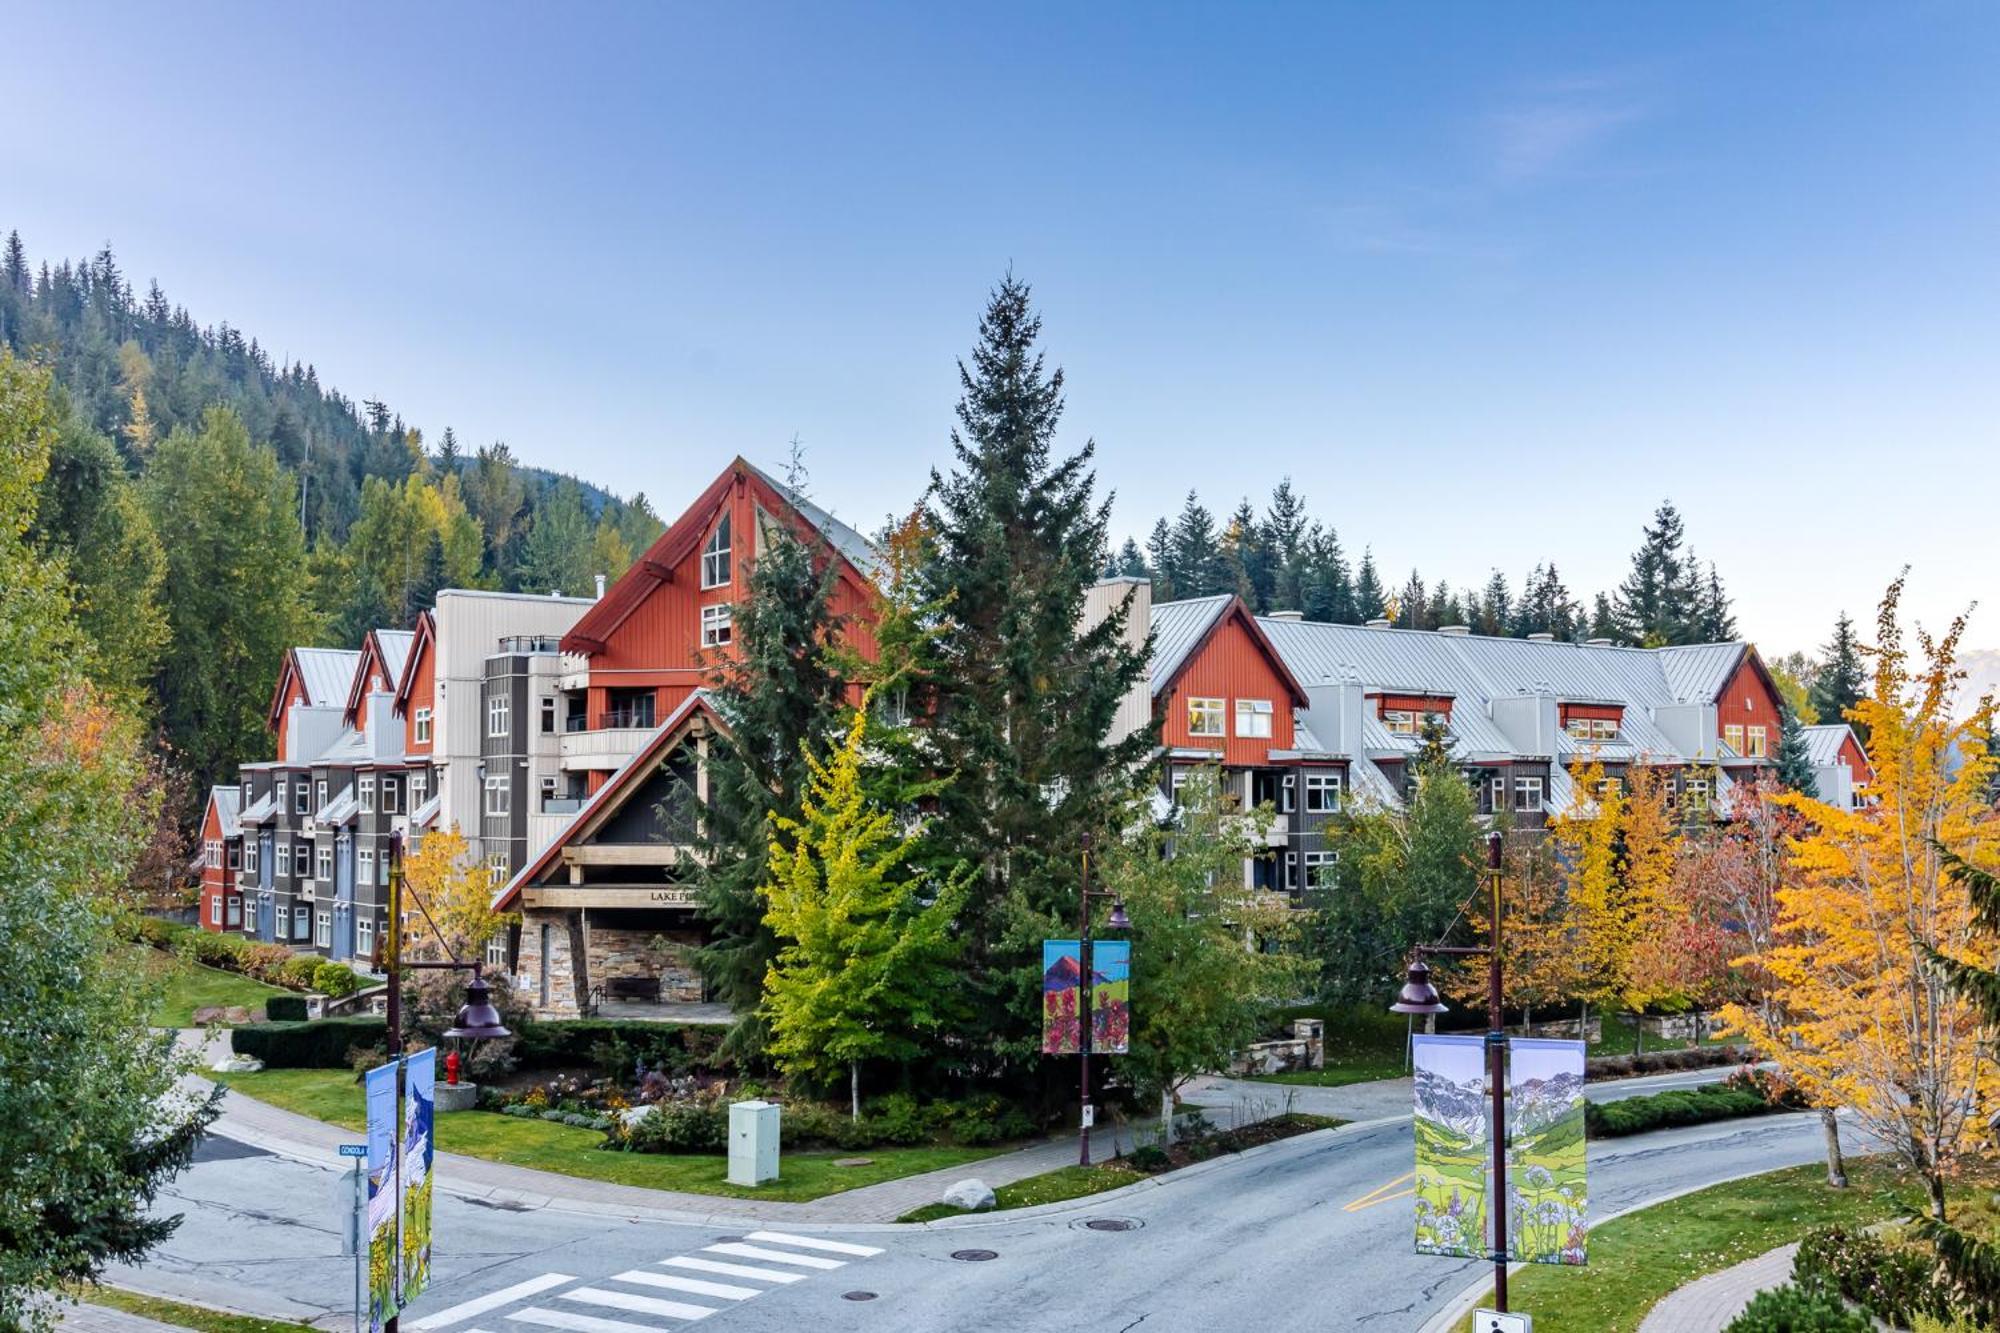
(1708, 1304)
(88, 1318)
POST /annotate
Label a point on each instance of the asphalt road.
(1313, 1233)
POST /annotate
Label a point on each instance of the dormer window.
(1592, 728)
(715, 557)
(1400, 721)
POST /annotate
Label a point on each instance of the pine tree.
(1546, 606)
(1247, 560)
(557, 554)
(1794, 759)
(1841, 681)
(1657, 603)
(1496, 607)
(1027, 692)
(1715, 623)
(1166, 563)
(14, 271)
(1286, 529)
(1413, 605)
(1197, 557)
(1131, 561)
(1369, 600)
(1603, 623)
(448, 455)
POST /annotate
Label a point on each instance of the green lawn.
(332, 1095)
(1339, 1072)
(1640, 1257)
(186, 1316)
(1064, 1183)
(190, 986)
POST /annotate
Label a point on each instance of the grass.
(332, 1095)
(185, 1316)
(1058, 1186)
(1640, 1257)
(1353, 1067)
(190, 986)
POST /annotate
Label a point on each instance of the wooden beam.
(664, 573)
(612, 895)
(628, 854)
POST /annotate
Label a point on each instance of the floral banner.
(1110, 997)
(420, 1118)
(1547, 1192)
(379, 1096)
(1454, 1146)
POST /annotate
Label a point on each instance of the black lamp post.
(1086, 988)
(477, 1018)
(1419, 996)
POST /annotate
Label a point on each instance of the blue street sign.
(353, 1150)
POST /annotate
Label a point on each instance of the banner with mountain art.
(1547, 1193)
(1110, 997)
(1454, 1146)
(419, 1125)
(379, 1096)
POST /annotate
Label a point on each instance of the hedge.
(320, 1045)
(614, 1046)
(1798, 1309)
(1663, 1062)
(286, 1008)
(1681, 1106)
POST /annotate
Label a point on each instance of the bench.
(632, 988)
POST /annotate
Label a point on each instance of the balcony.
(603, 748)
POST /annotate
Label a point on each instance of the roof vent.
(1381, 622)
(1542, 636)
(1286, 615)
(1456, 631)
(600, 587)
(1598, 643)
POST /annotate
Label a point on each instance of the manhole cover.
(857, 1296)
(854, 1161)
(974, 1256)
(1111, 1224)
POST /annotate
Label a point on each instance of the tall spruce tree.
(1657, 604)
(1795, 768)
(1165, 561)
(780, 696)
(1841, 681)
(1027, 691)
(1326, 591)
(1286, 528)
(1197, 551)
(1369, 599)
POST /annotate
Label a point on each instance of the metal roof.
(326, 673)
(1697, 673)
(860, 552)
(340, 809)
(259, 811)
(228, 802)
(395, 644)
(1177, 628)
(1823, 743)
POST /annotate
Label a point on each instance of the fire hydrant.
(451, 1068)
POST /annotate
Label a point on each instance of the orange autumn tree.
(1859, 1017)
(1534, 928)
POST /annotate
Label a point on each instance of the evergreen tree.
(780, 696)
(496, 497)
(1546, 606)
(1841, 681)
(1795, 770)
(421, 594)
(448, 455)
(1603, 623)
(1496, 607)
(1247, 560)
(1715, 623)
(1285, 531)
(1369, 600)
(1413, 605)
(1325, 590)
(1027, 691)
(1131, 561)
(14, 270)
(557, 554)
(1197, 559)
(1166, 563)
(1659, 602)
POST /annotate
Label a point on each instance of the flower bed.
(272, 964)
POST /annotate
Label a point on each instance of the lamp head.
(478, 1019)
(1119, 921)
(1418, 996)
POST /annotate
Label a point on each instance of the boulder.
(632, 1115)
(972, 1195)
(209, 1013)
(237, 1064)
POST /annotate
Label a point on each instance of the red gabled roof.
(425, 641)
(613, 793)
(1237, 612)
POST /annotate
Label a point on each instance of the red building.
(220, 859)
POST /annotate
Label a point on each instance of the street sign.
(1089, 1115)
(1491, 1321)
(353, 1150)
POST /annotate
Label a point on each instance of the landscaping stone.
(457, 1096)
(854, 1161)
(237, 1064)
(632, 1115)
(974, 1196)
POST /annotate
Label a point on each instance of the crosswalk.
(675, 1290)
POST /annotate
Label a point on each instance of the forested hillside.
(215, 507)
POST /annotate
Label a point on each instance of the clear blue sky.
(1488, 281)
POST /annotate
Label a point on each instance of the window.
(1319, 868)
(301, 799)
(1288, 794)
(1528, 794)
(1493, 796)
(366, 786)
(1399, 721)
(324, 865)
(391, 789)
(422, 718)
(715, 625)
(548, 714)
(1611, 787)
(235, 910)
(1205, 717)
(215, 910)
(499, 796)
(420, 787)
(283, 795)
(1732, 736)
(211, 854)
(1694, 795)
(235, 856)
(548, 792)
(1322, 793)
(302, 860)
(323, 929)
(496, 951)
(301, 924)
(715, 557)
(1174, 781)
(1253, 718)
(364, 937)
(319, 794)
(496, 867)
(284, 860)
(1593, 728)
(284, 921)
(1757, 741)
(250, 858)
(496, 715)
(364, 863)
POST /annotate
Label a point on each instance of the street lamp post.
(477, 1018)
(1085, 989)
(1420, 997)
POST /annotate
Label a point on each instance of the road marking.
(491, 1301)
(577, 1323)
(775, 1256)
(815, 1243)
(625, 1300)
(1381, 1194)
(668, 1282)
(732, 1270)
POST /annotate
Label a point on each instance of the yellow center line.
(1381, 1194)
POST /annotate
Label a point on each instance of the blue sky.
(1487, 281)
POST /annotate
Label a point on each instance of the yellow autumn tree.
(449, 900)
(1859, 1018)
(1535, 933)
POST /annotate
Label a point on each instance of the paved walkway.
(1708, 1304)
(101, 1319)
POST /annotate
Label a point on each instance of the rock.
(237, 1064)
(632, 1115)
(971, 1195)
(455, 1097)
(854, 1161)
(208, 1013)
(236, 1013)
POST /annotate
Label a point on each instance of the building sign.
(1110, 997)
(1454, 1146)
(1547, 1191)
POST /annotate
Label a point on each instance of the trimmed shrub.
(322, 1045)
(286, 1008)
(683, 1127)
(1665, 1062)
(1798, 1309)
(296, 972)
(263, 961)
(335, 979)
(1681, 1106)
(616, 1048)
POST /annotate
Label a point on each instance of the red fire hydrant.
(451, 1067)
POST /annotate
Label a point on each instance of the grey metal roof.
(259, 811)
(340, 809)
(1823, 743)
(1177, 628)
(228, 806)
(860, 552)
(1697, 673)
(326, 674)
(426, 814)
(351, 747)
(395, 645)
